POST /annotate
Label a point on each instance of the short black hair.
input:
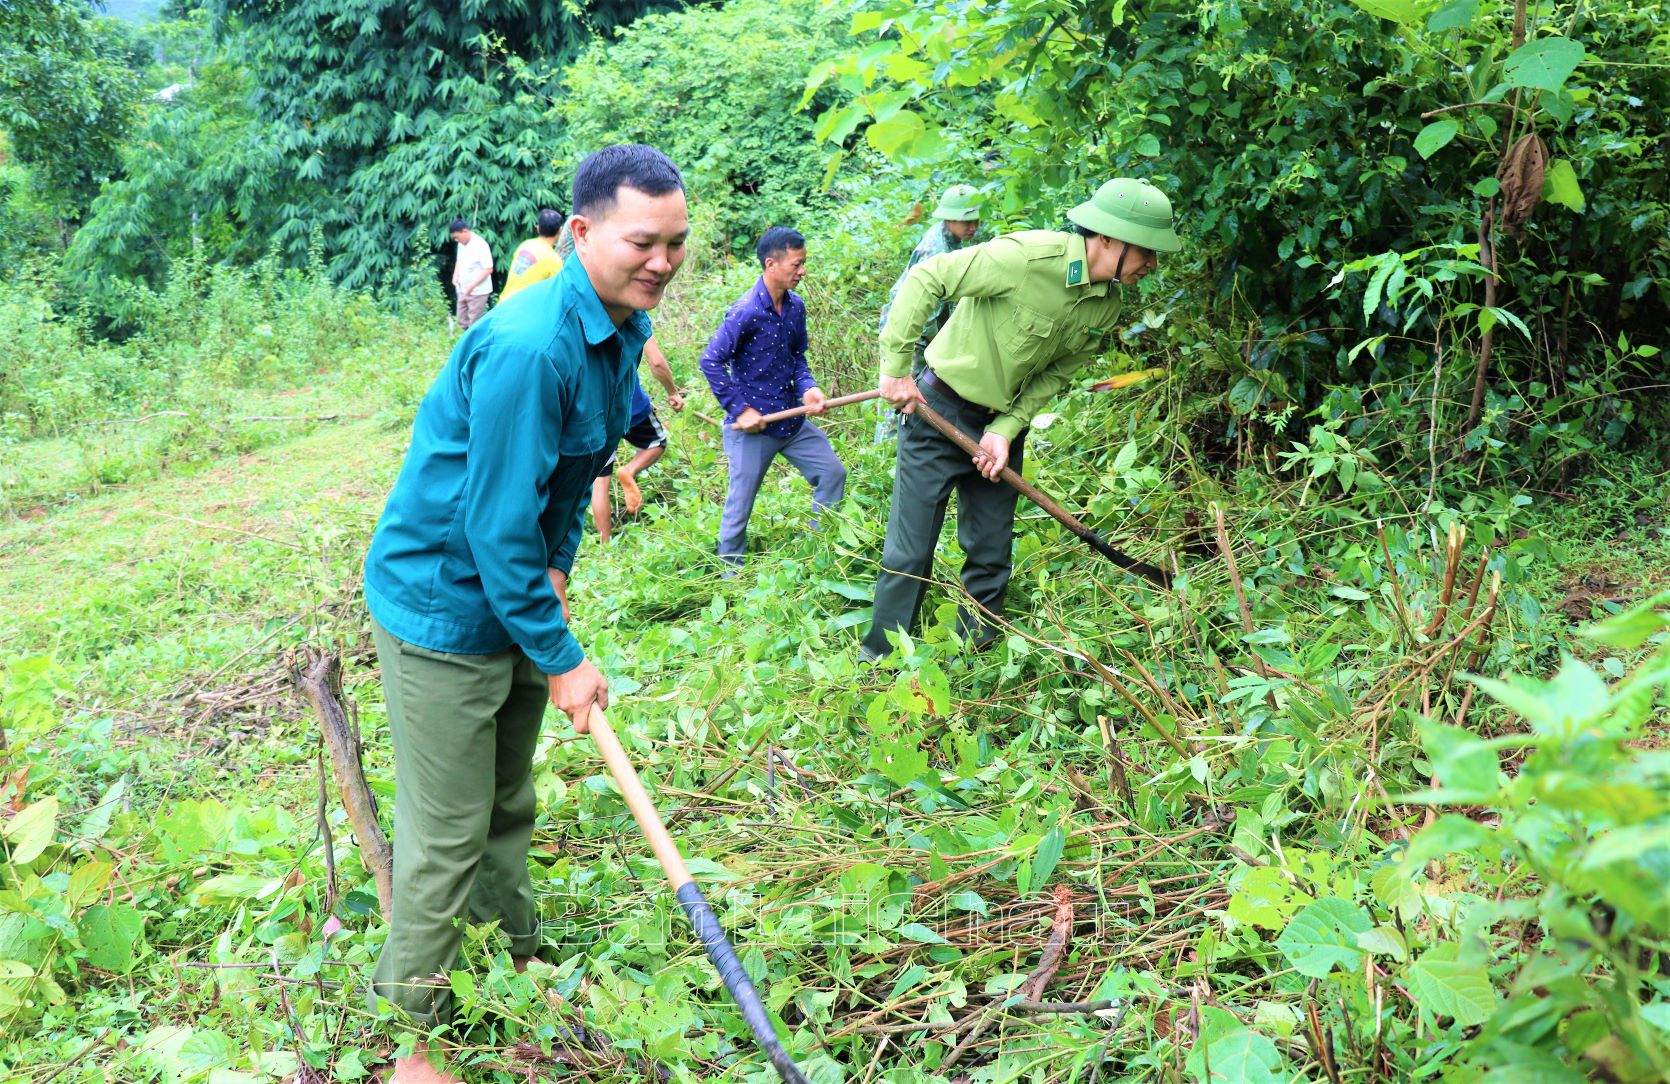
(457, 224)
(776, 241)
(603, 173)
(550, 222)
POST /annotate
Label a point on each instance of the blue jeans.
(750, 455)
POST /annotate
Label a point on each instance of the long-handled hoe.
(1149, 572)
(696, 909)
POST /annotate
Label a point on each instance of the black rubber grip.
(712, 936)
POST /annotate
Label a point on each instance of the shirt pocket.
(585, 425)
(1025, 341)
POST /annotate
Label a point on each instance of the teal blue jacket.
(495, 484)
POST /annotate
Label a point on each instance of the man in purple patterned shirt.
(756, 365)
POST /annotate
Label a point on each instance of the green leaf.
(1453, 16)
(894, 134)
(1544, 64)
(1559, 185)
(1446, 987)
(208, 1050)
(1462, 761)
(1047, 855)
(1323, 936)
(1386, 941)
(1264, 898)
(1148, 145)
(233, 887)
(1450, 834)
(87, 882)
(1245, 1057)
(113, 935)
(915, 931)
(901, 761)
(1435, 136)
(1399, 11)
(856, 592)
(30, 831)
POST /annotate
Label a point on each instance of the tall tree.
(398, 115)
(67, 95)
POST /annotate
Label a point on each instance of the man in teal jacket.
(467, 578)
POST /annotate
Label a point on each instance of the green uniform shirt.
(1027, 317)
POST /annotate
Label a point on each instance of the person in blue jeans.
(756, 365)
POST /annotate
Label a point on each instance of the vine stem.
(1470, 105)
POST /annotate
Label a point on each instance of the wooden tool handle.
(1042, 500)
(696, 909)
(638, 801)
(795, 412)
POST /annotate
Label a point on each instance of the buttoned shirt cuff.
(1007, 426)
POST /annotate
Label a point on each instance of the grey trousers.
(929, 469)
(750, 455)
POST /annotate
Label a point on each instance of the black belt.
(930, 379)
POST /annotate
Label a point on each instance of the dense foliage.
(396, 117)
(1302, 139)
(67, 90)
(717, 91)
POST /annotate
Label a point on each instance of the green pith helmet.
(1129, 210)
(961, 203)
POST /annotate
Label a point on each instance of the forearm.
(989, 270)
(913, 302)
(718, 373)
(659, 368)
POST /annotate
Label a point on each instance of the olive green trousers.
(464, 729)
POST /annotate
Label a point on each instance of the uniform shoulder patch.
(1075, 272)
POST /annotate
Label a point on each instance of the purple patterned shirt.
(757, 358)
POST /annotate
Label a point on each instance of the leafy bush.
(67, 94)
(716, 90)
(1332, 216)
(195, 178)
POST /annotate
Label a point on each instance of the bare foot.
(416, 1069)
(629, 487)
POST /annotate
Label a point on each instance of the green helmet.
(961, 203)
(1129, 210)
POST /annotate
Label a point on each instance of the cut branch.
(320, 684)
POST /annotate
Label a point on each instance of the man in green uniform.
(1032, 307)
(957, 221)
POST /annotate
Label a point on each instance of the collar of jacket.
(594, 318)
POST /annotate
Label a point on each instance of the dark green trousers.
(929, 469)
(464, 729)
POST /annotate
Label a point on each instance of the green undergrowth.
(1148, 836)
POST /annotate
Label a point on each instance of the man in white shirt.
(472, 273)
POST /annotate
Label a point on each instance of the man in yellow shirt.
(536, 258)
